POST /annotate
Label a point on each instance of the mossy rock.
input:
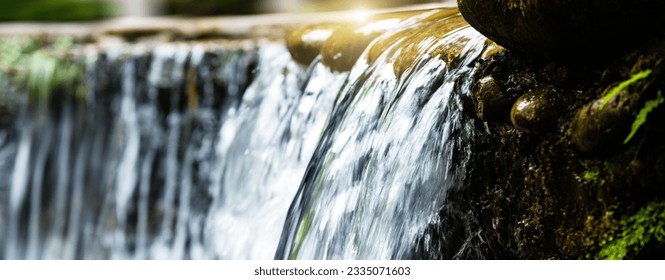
(594, 130)
(605, 122)
(341, 45)
(408, 43)
(304, 43)
(568, 29)
(343, 48)
(341, 51)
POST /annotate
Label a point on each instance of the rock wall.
(565, 168)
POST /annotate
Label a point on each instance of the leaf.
(615, 90)
(642, 115)
(636, 232)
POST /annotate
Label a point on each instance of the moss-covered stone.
(594, 130)
(408, 43)
(343, 48)
(605, 123)
(341, 45)
(341, 51)
(304, 43)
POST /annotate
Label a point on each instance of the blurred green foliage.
(39, 67)
(211, 7)
(55, 10)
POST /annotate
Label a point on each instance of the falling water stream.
(198, 150)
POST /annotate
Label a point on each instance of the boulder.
(536, 110)
(570, 29)
(596, 128)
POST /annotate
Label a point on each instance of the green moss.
(636, 232)
(597, 231)
(598, 172)
(591, 176)
(40, 68)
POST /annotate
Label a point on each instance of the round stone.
(341, 51)
(536, 110)
(596, 128)
(565, 28)
(490, 101)
(305, 43)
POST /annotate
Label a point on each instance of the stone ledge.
(182, 28)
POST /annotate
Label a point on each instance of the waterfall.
(264, 149)
(393, 149)
(232, 150)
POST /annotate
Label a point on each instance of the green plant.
(592, 172)
(615, 90)
(647, 225)
(12, 51)
(56, 10)
(37, 67)
(641, 117)
(591, 176)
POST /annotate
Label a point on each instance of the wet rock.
(536, 110)
(408, 43)
(341, 45)
(595, 129)
(490, 101)
(565, 28)
(305, 43)
(134, 30)
(341, 51)
(491, 50)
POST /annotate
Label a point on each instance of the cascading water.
(393, 149)
(264, 149)
(197, 150)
